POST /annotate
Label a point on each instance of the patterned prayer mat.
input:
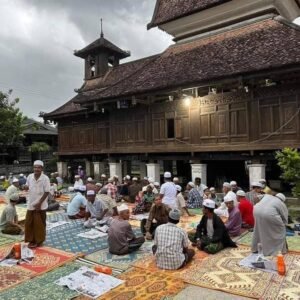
(45, 259)
(192, 292)
(43, 287)
(6, 240)
(143, 284)
(2, 199)
(148, 263)
(189, 223)
(121, 262)
(21, 211)
(222, 272)
(286, 287)
(64, 198)
(196, 211)
(11, 276)
(293, 242)
(134, 223)
(65, 238)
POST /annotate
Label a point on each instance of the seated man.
(121, 239)
(52, 203)
(171, 244)
(108, 202)
(211, 235)
(234, 221)
(22, 180)
(194, 198)
(181, 202)
(12, 189)
(90, 184)
(95, 209)
(78, 182)
(146, 201)
(158, 215)
(76, 206)
(9, 218)
(222, 210)
(246, 210)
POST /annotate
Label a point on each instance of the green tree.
(39, 148)
(289, 162)
(11, 122)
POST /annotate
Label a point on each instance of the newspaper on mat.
(92, 234)
(256, 261)
(139, 217)
(51, 225)
(89, 283)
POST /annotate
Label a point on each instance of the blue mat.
(65, 238)
(63, 217)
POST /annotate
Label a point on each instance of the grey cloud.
(38, 62)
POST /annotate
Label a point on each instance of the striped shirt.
(170, 241)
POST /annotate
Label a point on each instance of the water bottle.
(260, 249)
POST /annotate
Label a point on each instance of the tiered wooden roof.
(179, 8)
(262, 46)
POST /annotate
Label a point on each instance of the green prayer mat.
(121, 262)
(293, 241)
(195, 211)
(43, 287)
(6, 239)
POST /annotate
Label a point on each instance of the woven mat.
(196, 211)
(66, 239)
(63, 198)
(11, 276)
(192, 292)
(293, 242)
(43, 287)
(143, 284)
(186, 222)
(45, 259)
(149, 263)
(286, 287)
(21, 211)
(3, 199)
(121, 262)
(222, 272)
(6, 239)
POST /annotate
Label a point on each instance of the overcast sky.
(38, 37)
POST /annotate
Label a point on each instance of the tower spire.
(101, 35)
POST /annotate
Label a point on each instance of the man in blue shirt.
(76, 207)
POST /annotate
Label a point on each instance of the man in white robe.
(271, 216)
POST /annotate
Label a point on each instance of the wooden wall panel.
(255, 119)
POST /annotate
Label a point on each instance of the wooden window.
(170, 128)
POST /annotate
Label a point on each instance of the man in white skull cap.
(234, 186)
(211, 234)
(168, 192)
(13, 189)
(255, 193)
(222, 211)
(78, 182)
(121, 239)
(111, 188)
(38, 185)
(194, 198)
(95, 209)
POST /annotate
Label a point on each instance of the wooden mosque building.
(217, 103)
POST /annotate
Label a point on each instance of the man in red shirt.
(246, 209)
